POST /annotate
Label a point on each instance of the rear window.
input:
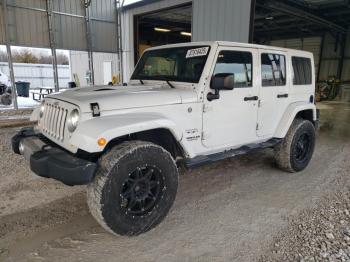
(302, 71)
(273, 70)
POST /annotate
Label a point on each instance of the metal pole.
(321, 57)
(52, 44)
(342, 55)
(252, 20)
(9, 56)
(89, 42)
(119, 36)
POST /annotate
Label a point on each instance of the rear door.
(273, 94)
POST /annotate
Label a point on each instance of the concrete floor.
(228, 211)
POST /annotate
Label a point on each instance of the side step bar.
(203, 160)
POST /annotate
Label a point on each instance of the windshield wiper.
(159, 78)
(170, 84)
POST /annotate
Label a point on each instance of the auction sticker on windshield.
(202, 51)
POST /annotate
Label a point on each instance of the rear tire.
(134, 188)
(295, 151)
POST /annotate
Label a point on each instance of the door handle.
(282, 96)
(251, 98)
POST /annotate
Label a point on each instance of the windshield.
(182, 64)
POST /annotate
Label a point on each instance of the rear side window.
(302, 71)
(238, 63)
(273, 70)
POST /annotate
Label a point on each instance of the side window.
(237, 63)
(302, 71)
(273, 70)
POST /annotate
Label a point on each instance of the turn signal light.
(101, 141)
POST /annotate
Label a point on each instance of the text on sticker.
(202, 51)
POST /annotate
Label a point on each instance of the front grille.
(53, 121)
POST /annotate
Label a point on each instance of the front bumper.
(48, 160)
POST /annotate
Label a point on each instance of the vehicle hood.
(124, 97)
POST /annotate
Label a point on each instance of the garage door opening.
(167, 26)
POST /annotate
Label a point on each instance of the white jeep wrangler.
(187, 104)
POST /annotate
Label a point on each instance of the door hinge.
(259, 103)
(257, 126)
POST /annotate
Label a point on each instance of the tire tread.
(283, 150)
(106, 163)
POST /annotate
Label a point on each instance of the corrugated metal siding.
(225, 20)
(2, 34)
(330, 57)
(70, 32)
(41, 4)
(68, 6)
(310, 44)
(30, 27)
(104, 37)
(105, 28)
(104, 9)
(128, 30)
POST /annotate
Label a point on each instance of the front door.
(230, 121)
(273, 93)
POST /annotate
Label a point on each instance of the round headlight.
(73, 120)
(42, 109)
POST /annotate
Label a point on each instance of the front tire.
(294, 153)
(134, 188)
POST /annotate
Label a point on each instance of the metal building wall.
(29, 25)
(99, 59)
(103, 26)
(311, 44)
(38, 75)
(2, 34)
(331, 58)
(70, 30)
(80, 65)
(128, 30)
(225, 20)
(212, 20)
(89, 25)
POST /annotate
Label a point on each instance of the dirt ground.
(228, 211)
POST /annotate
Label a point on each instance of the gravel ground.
(15, 113)
(28, 203)
(235, 210)
(321, 233)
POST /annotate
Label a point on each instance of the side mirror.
(223, 81)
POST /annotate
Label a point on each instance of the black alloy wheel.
(302, 148)
(142, 190)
